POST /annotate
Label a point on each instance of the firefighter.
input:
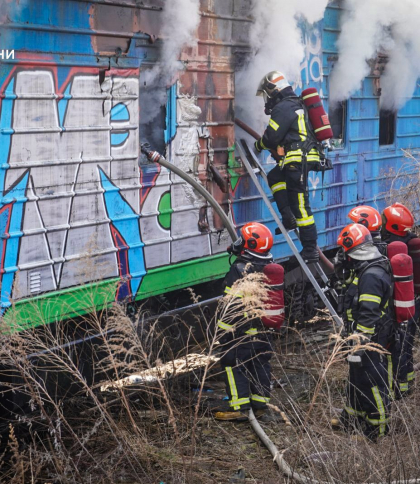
(397, 366)
(246, 347)
(397, 224)
(366, 312)
(290, 130)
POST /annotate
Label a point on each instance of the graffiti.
(75, 207)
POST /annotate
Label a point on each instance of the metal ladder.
(247, 154)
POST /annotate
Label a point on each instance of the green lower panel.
(76, 301)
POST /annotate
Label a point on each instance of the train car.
(85, 221)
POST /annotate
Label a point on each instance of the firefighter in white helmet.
(289, 128)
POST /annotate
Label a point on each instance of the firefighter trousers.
(247, 373)
(290, 191)
(368, 393)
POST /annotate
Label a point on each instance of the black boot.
(308, 239)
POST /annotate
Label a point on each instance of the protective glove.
(342, 266)
(288, 219)
(355, 358)
(257, 146)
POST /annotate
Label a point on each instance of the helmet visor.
(365, 252)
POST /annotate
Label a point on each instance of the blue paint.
(119, 138)
(62, 105)
(126, 221)
(120, 113)
(6, 131)
(18, 194)
(171, 110)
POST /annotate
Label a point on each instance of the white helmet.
(271, 83)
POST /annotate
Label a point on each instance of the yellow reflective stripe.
(228, 290)
(370, 298)
(294, 153)
(350, 315)
(259, 398)
(273, 124)
(263, 145)
(390, 376)
(278, 186)
(411, 376)
(321, 129)
(364, 329)
(235, 403)
(403, 386)
(381, 409)
(302, 127)
(222, 325)
(310, 95)
(301, 198)
(290, 160)
(304, 222)
(355, 281)
(232, 385)
(354, 412)
(252, 331)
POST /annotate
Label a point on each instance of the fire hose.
(156, 157)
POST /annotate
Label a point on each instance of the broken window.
(337, 117)
(386, 127)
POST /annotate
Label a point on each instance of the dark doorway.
(386, 127)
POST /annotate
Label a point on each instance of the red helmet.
(257, 238)
(397, 219)
(354, 236)
(367, 216)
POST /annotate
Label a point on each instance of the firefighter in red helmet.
(289, 129)
(366, 312)
(397, 225)
(246, 347)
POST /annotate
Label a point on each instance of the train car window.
(337, 116)
(386, 127)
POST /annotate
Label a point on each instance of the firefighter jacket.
(367, 300)
(288, 128)
(244, 264)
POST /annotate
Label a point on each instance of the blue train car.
(82, 224)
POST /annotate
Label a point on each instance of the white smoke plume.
(180, 20)
(276, 41)
(386, 26)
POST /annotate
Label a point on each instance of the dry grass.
(163, 431)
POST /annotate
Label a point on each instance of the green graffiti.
(233, 166)
(165, 211)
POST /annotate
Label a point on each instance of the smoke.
(373, 26)
(180, 20)
(276, 41)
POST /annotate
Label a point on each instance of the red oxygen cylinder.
(274, 305)
(317, 115)
(414, 253)
(404, 304)
(395, 248)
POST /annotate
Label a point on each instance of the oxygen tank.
(317, 115)
(414, 253)
(395, 248)
(274, 305)
(404, 303)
